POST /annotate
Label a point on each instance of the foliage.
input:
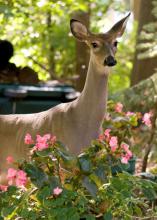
(148, 45)
(39, 30)
(142, 98)
(62, 186)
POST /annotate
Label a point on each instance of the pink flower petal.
(124, 160)
(113, 141)
(130, 113)
(146, 119)
(57, 191)
(3, 188)
(21, 178)
(101, 137)
(28, 139)
(125, 146)
(11, 173)
(114, 148)
(118, 107)
(107, 133)
(9, 159)
(41, 146)
(53, 140)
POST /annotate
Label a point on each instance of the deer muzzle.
(110, 61)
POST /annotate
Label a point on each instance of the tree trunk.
(82, 52)
(136, 9)
(144, 68)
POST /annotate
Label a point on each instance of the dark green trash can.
(21, 99)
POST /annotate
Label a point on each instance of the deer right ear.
(118, 29)
(78, 30)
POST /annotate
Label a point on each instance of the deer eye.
(115, 43)
(94, 45)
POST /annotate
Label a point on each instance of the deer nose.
(110, 61)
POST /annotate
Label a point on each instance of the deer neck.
(93, 99)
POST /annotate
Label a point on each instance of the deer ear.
(118, 29)
(79, 30)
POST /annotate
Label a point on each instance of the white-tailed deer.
(75, 123)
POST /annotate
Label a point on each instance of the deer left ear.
(78, 30)
(118, 29)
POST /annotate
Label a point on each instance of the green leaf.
(73, 214)
(37, 175)
(100, 172)
(44, 153)
(138, 210)
(107, 216)
(120, 121)
(95, 179)
(133, 120)
(67, 157)
(6, 211)
(54, 182)
(89, 217)
(90, 186)
(149, 193)
(44, 193)
(85, 163)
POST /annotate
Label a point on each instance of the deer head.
(103, 46)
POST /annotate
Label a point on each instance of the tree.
(145, 66)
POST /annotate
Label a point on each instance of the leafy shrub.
(55, 185)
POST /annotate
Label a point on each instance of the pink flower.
(44, 138)
(129, 154)
(9, 159)
(42, 142)
(118, 107)
(107, 133)
(101, 137)
(11, 175)
(113, 143)
(57, 191)
(28, 139)
(114, 148)
(107, 117)
(146, 119)
(53, 140)
(17, 177)
(41, 146)
(21, 178)
(125, 146)
(124, 160)
(129, 113)
(3, 188)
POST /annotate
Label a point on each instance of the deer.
(76, 123)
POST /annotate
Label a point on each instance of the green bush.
(55, 185)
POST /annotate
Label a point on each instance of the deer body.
(75, 123)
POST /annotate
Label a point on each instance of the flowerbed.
(56, 185)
